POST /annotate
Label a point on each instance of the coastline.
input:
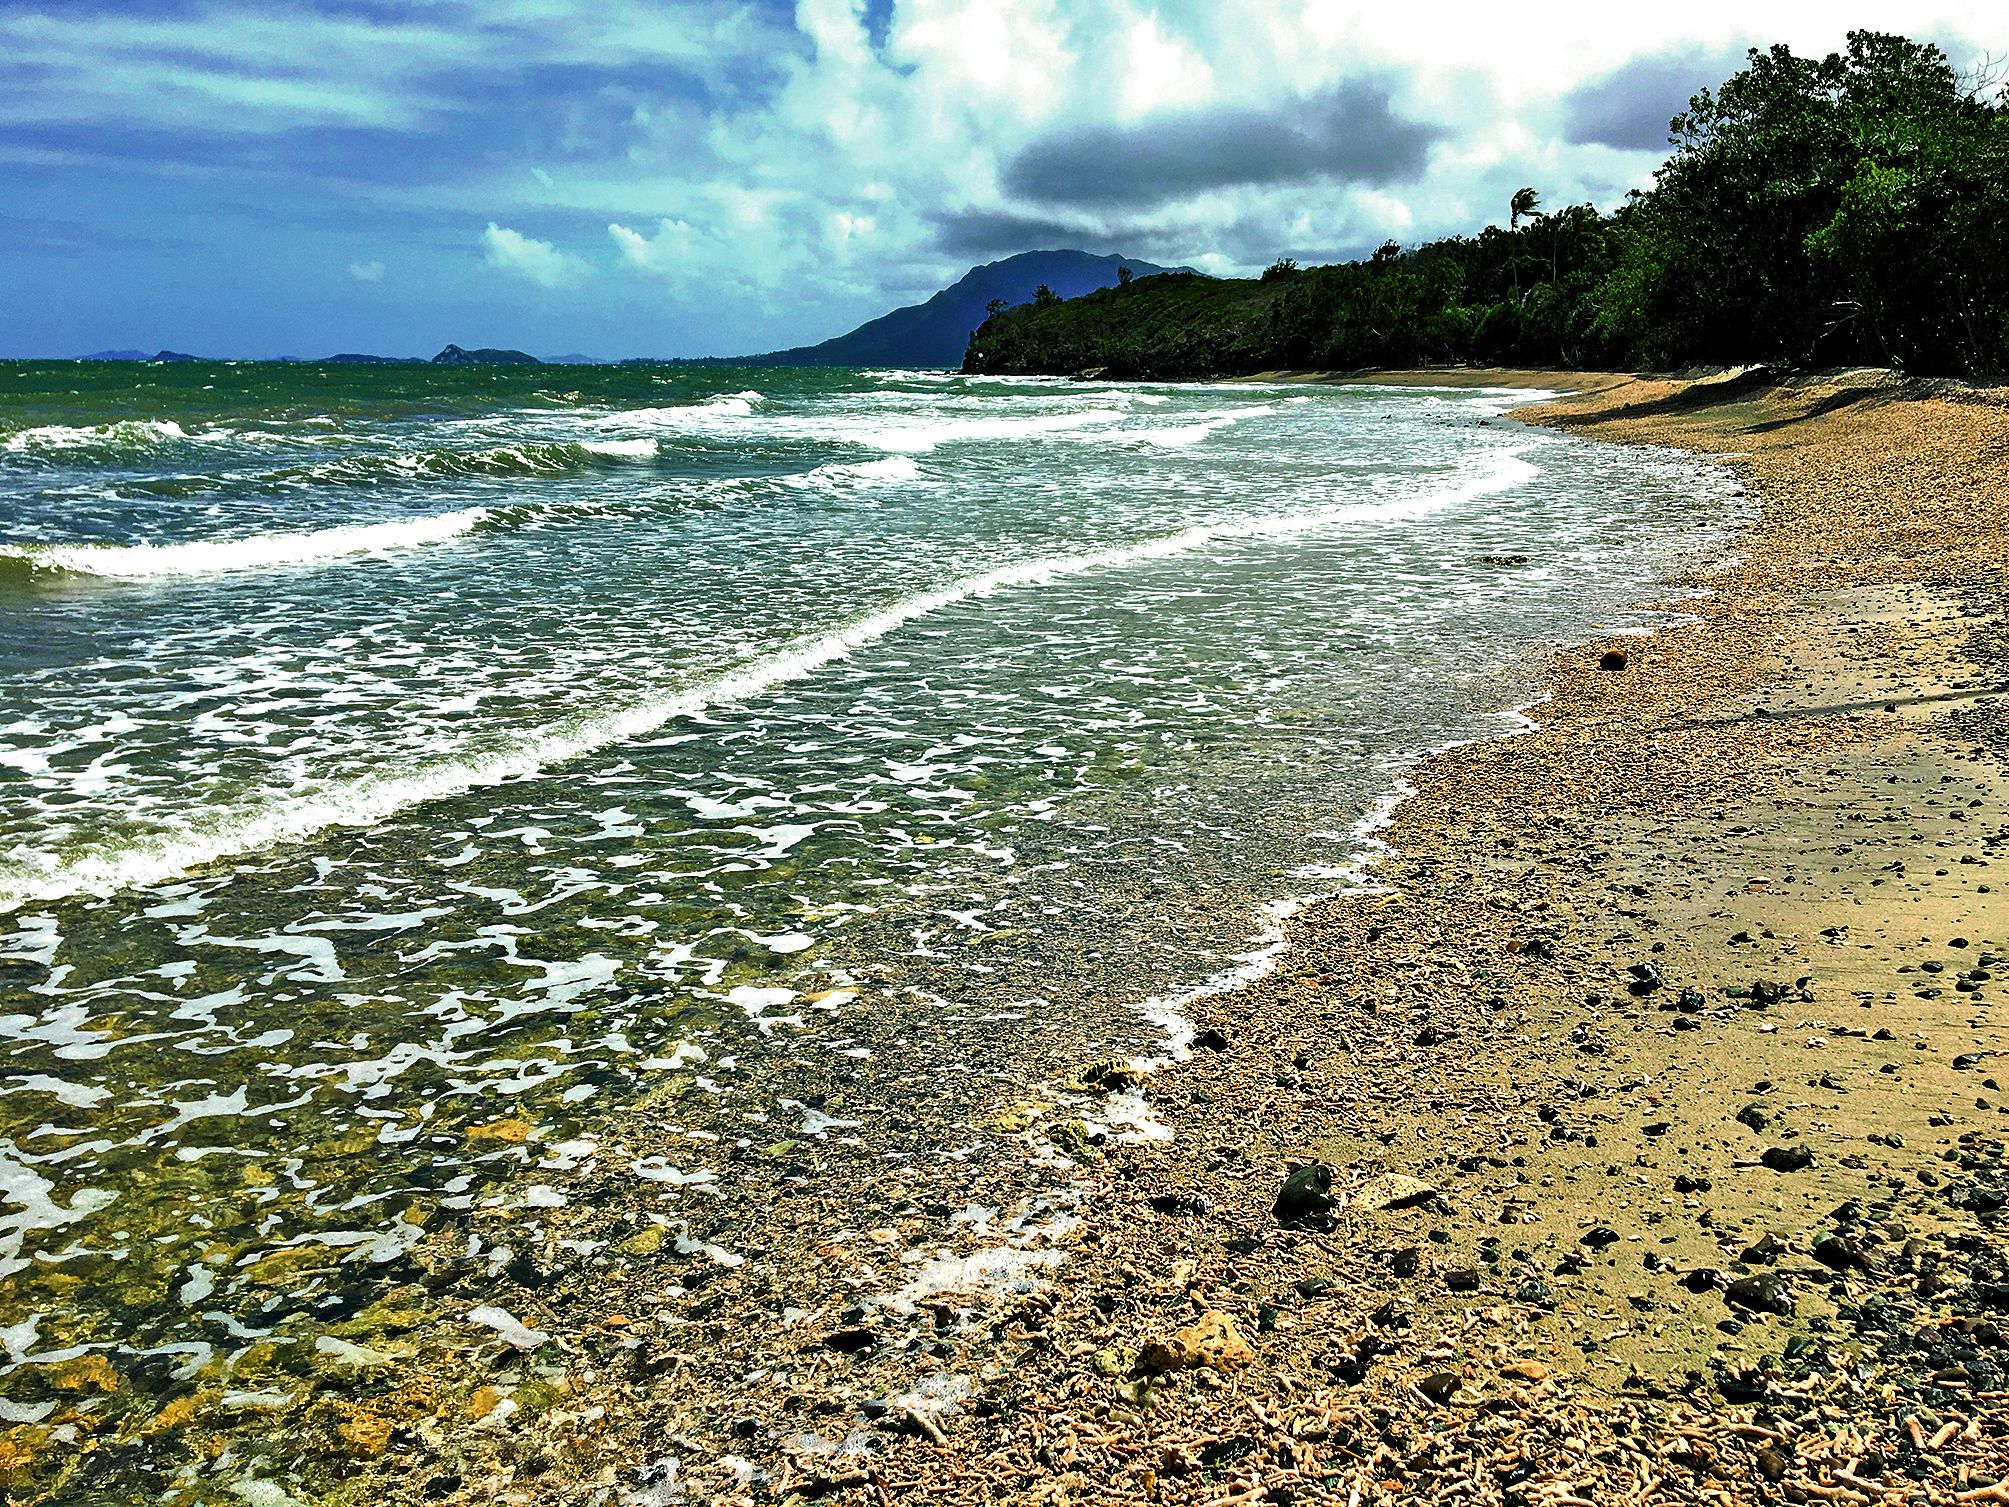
(1150, 1332)
(1548, 1019)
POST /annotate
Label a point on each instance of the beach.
(1655, 1073)
(1624, 1130)
(1656, 1082)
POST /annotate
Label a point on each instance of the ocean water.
(406, 772)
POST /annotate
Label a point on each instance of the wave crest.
(208, 557)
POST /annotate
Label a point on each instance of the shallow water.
(393, 759)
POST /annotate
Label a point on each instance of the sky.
(714, 177)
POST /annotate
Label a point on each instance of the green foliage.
(1840, 209)
(1123, 276)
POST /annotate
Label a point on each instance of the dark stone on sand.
(1306, 1196)
(1843, 1254)
(1683, 1183)
(849, 1341)
(1763, 1251)
(1703, 1279)
(1645, 978)
(1601, 1237)
(1967, 1060)
(1754, 1116)
(1463, 1279)
(1761, 1294)
(1406, 1262)
(1787, 1158)
(1613, 659)
(1440, 1387)
(1212, 1040)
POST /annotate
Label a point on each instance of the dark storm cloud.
(980, 235)
(1630, 108)
(1348, 133)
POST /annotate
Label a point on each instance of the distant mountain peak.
(935, 332)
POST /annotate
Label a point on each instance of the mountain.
(360, 358)
(453, 355)
(114, 356)
(936, 333)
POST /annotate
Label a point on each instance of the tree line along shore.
(1836, 211)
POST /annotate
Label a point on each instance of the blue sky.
(721, 176)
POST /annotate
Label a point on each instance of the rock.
(1762, 1294)
(1112, 1075)
(1843, 1254)
(1210, 1340)
(1525, 1370)
(849, 1341)
(1190, 1204)
(1462, 1279)
(1787, 1158)
(1600, 1237)
(1073, 1140)
(1306, 1196)
(1645, 979)
(1440, 1387)
(1211, 1040)
(1763, 1251)
(1703, 1279)
(1407, 1261)
(1393, 1190)
(1613, 659)
(83, 1373)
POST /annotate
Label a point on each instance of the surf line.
(372, 799)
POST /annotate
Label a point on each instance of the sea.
(416, 781)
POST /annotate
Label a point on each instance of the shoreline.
(1630, 1341)
(1531, 1284)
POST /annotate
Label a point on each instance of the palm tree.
(1524, 202)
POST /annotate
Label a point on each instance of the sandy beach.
(1652, 1103)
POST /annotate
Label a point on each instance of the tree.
(1524, 202)
(994, 306)
(1043, 295)
(1123, 276)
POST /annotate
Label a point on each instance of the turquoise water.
(395, 759)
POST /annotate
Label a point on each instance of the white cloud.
(539, 261)
(367, 272)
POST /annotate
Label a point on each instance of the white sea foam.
(640, 449)
(373, 799)
(124, 434)
(207, 557)
(919, 438)
(737, 405)
(1178, 436)
(839, 474)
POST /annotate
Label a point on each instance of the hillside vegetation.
(1852, 208)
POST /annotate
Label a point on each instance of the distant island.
(453, 355)
(1834, 211)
